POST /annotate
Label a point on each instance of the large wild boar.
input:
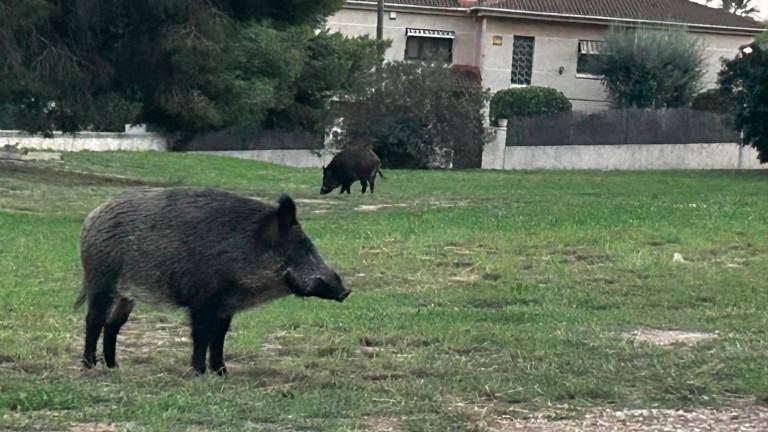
(349, 166)
(209, 251)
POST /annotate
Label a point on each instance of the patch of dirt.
(588, 259)
(145, 337)
(314, 201)
(383, 424)
(469, 249)
(95, 427)
(668, 337)
(752, 418)
(375, 207)
(456, 264)
(447, 204)
(412, 342)
(37, 174)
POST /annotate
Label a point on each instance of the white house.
(537, 42)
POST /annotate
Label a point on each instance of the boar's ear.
(286, 213)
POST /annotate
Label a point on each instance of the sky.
(761, 4)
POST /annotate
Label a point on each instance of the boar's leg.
(216, 344)
(203, 321)
(117, 317)
(372, 181)
(364, 183)
(98, 305)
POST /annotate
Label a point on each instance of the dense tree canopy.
(334, 66)
(187, 66)
(745, 78)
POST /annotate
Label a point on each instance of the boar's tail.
(381, 173)
(80, 299)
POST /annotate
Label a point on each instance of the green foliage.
(528, 101)
(415, 115)
(110, 113)
(334, 66)
(713, 100)
(651, 68)
(746, 79)
(762, 40)
(191, 66)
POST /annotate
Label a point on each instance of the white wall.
(92, 141)
(294, 158)
(496, 155)
(633, 157)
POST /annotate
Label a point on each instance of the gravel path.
(751, 418)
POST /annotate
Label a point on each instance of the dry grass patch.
(668, 337)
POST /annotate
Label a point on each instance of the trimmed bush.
(714, 100)
(651, 68)
(528, 101)
(419, 115)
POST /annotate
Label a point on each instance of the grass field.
(477, 296)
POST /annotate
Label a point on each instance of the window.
(522, 60)
(435, 45)
(590, 61)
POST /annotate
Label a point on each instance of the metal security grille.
(522, 60)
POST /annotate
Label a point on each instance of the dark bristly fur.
(209, 251)
(349, 166)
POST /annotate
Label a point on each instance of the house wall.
(556, 46)
(358, 22)
(717, 47)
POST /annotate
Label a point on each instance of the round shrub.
(528, 101)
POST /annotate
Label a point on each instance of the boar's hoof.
(89, 361)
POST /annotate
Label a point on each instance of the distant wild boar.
(209, 251)
(350, 166)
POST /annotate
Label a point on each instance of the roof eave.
(490, 11)
(360, 4)
(481, 10)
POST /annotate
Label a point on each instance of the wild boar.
(349, 166)
(206, 250)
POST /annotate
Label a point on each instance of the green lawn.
(476, 295)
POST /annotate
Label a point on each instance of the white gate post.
(495, 151)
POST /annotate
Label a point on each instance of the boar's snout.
(331, 288)
(328, 287)
(324, 190)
